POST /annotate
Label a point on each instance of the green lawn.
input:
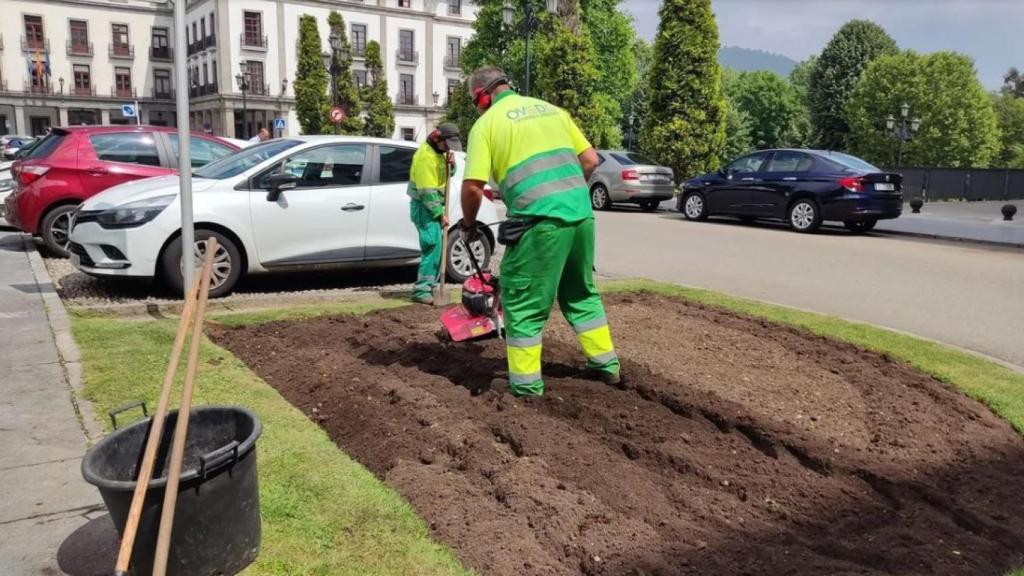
(323, 513)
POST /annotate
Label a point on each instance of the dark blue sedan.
(801, 187)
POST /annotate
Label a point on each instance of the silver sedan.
(629, 178)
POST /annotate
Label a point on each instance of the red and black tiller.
(480, 315)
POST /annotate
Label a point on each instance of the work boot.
(423, 299)
(609, 378)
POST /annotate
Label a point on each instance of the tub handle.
(217, 458)
(114, 413)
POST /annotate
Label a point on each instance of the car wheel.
(694, 207)
(649, 205)
(804, 216)
(459, 267)
(861, 226)
(227, 263)
(56, 230)
(599, 198)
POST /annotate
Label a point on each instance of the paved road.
(962, 294)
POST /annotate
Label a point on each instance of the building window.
(162, 84)
(254, 70)
(359, 40)
(360, 77)
(408, 134)
(195, 37)
(159, 45)
(405, 89)
(34, 33)
(453, 85)
(253, 28)
(83, 83)
(406, 41)
(79, 37)
(453, 52)
(213, 72)
(405, 3)
(454, 7)
(123, 80)
(206, 74)
(120, 44)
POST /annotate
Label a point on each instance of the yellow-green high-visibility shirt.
(427, 178)
(531, 148)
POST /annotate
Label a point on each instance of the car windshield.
(244, 159)
(631, 159)
(852, 162)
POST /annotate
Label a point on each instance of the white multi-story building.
(78, 61)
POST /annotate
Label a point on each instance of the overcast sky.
(990, 31)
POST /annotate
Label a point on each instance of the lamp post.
(61, 80)
(280, 101)
(243, 84)
(903, 130)
(437, 98)
(632, 119)
(529, 26)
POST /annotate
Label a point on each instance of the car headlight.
(6, 184)
(134, 213)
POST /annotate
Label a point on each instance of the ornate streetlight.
(242, 78)
(903, 129)
(529, 25)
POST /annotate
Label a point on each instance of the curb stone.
(67, 349)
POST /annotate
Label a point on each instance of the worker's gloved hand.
(469, 230)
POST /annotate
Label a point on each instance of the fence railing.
(962, 183)
(160, 53)
(122, 51)
(79, 48)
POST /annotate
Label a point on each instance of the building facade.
(70, 62)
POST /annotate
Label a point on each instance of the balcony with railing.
(42, 90)
(407, 56)
(453, 62)
(129, 92)
(258, 89)
(83, 90)
(406, 99)
(34, 44)
(79, 48)
(197, 90)
(359, 50)
(161, 53)
(125, 51)
(252, 41)
(210, 41)
(163, 93)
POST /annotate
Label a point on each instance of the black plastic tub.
(217, 518)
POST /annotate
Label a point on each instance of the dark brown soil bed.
(733, 447)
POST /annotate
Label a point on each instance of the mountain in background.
(748, 60)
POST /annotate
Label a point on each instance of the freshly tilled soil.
(734, 446)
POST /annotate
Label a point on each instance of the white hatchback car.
(302, 203)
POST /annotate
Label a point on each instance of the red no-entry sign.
(337, 115)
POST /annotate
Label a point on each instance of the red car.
(74, 163)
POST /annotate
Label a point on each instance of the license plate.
(885, 186)
(76, 261)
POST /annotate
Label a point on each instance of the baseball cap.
(450, 134)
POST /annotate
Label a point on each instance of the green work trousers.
(552, 260)
(429, 230)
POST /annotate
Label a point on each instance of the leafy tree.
(958, 124)
(685, 123)
(311, 78)
(836, 73)
(461, 111)
(800, 79)
(637, 105)
(737, 133)
(1013, 83)
(380, 111)
(348, 93)
(771, 105)
(1010, 116)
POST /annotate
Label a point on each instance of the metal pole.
(138, 113)
(188, 261)
(901, 137)
(245, 112)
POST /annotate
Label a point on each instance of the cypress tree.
(380, 111)
(311, 79)
(348, 93)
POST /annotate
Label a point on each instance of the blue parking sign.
(279, 124)
(128, 110)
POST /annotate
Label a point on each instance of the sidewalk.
(973, 221)
(42, 438)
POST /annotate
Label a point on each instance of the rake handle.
(439, 301)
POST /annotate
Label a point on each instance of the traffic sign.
(337, 115)
(128, 110)
(279, 124)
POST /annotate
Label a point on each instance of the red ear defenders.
(482, 96)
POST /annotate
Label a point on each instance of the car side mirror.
(279, 183)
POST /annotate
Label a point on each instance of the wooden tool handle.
(163, 542)
(440, 300)
(156, 428)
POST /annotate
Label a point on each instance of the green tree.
(1010, 116)
(637, 105)
(380, 111)
(800, 79)
(311, 78)
(1013, 83)
(348, 93)
(770, 103)
(685, 123)
(958, 124)
(737, 132)
(838, 69)
(460, 111)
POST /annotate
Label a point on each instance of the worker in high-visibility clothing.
(432, 166)
(541, 161)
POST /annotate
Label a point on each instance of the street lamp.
(61, 80)
(903, 129)
(436, 97)
(529, 26)
(280, 100)
(243, 84)
(632, 119)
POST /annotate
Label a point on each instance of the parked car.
(12, 144)
(801, 187)
(6, 187)
(300, 203)
(72, 164)
(627, 177)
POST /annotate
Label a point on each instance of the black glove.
(470, 231)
